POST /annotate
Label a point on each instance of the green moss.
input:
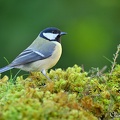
(71, 95)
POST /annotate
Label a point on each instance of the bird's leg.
(44, 73)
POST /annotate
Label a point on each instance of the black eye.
(53, 31)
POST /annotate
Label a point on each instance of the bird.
(44, 52)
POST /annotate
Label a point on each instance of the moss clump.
(71, 95)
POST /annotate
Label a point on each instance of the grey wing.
(30, 55)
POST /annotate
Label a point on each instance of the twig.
(115, 56)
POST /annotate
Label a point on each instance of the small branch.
(115, 56)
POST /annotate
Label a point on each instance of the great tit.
(42, 54)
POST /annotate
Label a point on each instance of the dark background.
(93, 28)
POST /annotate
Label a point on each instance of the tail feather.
(6, 68)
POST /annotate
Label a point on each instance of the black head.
(52, 34)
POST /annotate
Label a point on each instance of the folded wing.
(31, 55)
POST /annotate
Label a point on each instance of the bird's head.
(52, 34)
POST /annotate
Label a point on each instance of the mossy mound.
(71, 95)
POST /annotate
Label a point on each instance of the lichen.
(72, 94)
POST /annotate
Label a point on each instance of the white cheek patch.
(50, 36)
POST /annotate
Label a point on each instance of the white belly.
(45, 63)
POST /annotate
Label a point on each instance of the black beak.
(63, 33)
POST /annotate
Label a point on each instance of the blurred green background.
(93, 28)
